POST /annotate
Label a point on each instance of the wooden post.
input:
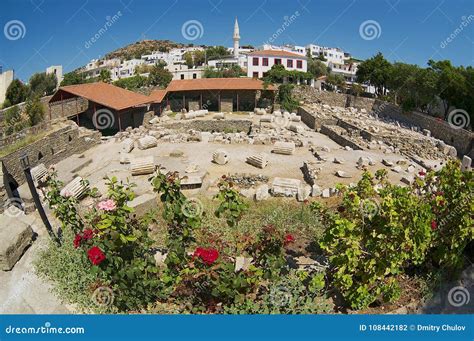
(49, 105)
(237, 101)
(62, 105)
(219, 101)
(77, 114)
(200, 101)
(119, 121)
(255, 100)
(93, 118)
(184, 102)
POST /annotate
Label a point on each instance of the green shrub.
(290, 294)
(373, 237)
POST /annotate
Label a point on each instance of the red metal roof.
(218, 84)
(157, 96)
(105, 94)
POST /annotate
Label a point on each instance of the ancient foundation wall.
(213, 126)
(50, 149)
(334, 135)
(461, 139)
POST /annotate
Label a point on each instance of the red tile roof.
(105, 94)
(218, 84)
(157, 96)
(276, 53)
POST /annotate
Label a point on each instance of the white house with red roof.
(260, 62)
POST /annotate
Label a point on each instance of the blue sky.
(56, 32)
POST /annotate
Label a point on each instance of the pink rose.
(107, 205)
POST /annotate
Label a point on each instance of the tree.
(231, 72)
(159, 76)
(216, 52)
(194, 58)
(451, 84)
(317, 68)
(13, 121)
(42, 84)
(34, 110)
(16, 93)
(105, 76)
(375, 71)
(72, 78)
(131, 83)
(335, 80)
(285, 97)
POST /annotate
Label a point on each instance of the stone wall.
(335, 133)
(308, 94)
(461, 139)
(67, 108)
(213, 126)
(54, 147)
(312, 120)
(10, 139)
(227, 104)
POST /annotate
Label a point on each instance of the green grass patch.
(11, 148)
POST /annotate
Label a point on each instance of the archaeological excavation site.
(235, 183)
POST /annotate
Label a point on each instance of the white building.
(331, 54)
(93, 68)
(347, 70)
(56, 70)
(181, 71)
(260, 62)
(6, 78)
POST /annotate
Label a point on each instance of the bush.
(13, 120)
(376, 236)
(285, 97)
(34, 110)
(116, 245)
(294, 293)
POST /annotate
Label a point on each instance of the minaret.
(236, 39)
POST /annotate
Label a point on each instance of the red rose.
(77, 241)
(96, 256)
(289, 239)
(88, 234)
(421, 173)
(208, 256)
(434, 225)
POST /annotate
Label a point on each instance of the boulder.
(15, 237)
(262, 192)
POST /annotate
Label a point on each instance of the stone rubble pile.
(386, 134)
